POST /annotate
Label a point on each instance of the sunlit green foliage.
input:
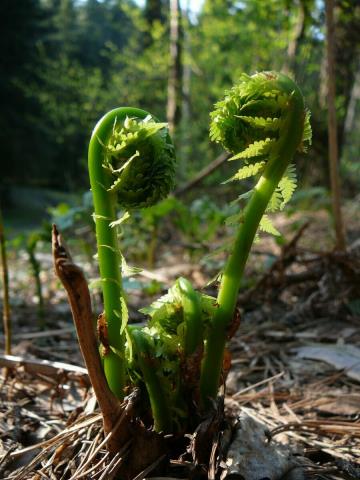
(249, 122)
(66, 62)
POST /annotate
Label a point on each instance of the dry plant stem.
(76, 286)
(332, 128)
(46, 368)
(5, 283)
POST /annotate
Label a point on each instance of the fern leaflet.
(287, 185)
(307, 133)
(256, 149)
(270, 124)
(247, 171)
(275, 202)
(267, 226)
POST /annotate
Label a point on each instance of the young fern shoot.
(131, 163)
(263, 122)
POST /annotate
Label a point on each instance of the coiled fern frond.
(141, 160)
(263, 122)
(250, 122)
(131, 163)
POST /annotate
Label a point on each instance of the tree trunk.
(297, 36)
(5, 285)
(332, 127)
(153, 12)
(351, 109)
(184, 139)
(175, 69)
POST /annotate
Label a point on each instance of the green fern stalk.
(149, 366)
(174, 345)
(131, 163)
(192, 316)
(267, 138)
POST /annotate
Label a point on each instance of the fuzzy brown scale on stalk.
(102, 333)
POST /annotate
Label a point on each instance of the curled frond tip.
(140, 157)
(255, 120)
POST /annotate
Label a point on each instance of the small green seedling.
(30, 244)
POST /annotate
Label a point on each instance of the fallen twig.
(46, 367)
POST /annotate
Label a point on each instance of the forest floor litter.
(295, 372)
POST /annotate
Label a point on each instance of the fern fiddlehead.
(131, 163)
(263, 122)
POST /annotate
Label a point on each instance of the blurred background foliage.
(66, 62)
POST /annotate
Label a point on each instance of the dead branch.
(75, 284)
(205, 172)
(46, 368)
